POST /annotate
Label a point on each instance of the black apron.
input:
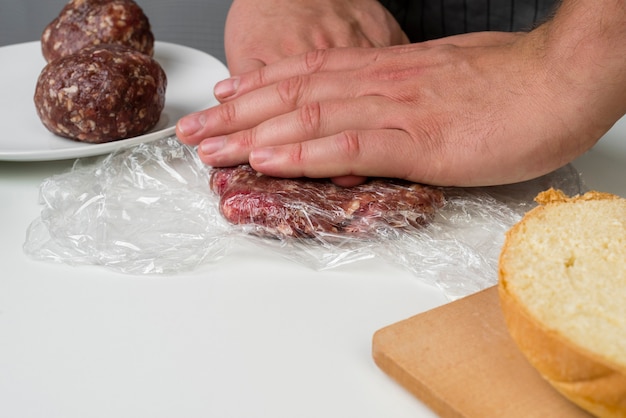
(430, 19)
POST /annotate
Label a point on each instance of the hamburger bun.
(562, 288)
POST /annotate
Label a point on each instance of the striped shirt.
(431, 19)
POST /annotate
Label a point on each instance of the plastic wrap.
(309, 208)
(150, 210)
(142, 210)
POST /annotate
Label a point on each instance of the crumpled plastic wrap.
(149, 210)
(141, 210)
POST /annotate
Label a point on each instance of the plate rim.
(81, 149)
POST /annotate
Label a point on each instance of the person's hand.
(476, 109)
(258, 32)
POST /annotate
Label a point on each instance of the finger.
(264, 104)
(310, 121)
(370, 153)
(248, 110)
(334, 59)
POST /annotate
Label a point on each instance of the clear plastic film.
(143, 210)
(150, 210)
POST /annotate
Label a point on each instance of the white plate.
(191, 75)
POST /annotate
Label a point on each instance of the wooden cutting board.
(460, 360)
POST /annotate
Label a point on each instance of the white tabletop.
(250, 336)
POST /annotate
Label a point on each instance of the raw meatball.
(282, 208)
(101, 94)
(84, 23)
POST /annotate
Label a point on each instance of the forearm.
(586, 42)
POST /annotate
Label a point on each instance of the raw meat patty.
(101, 94)
(83, 23)
(305, 207)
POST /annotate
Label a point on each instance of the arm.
(474, 109)
(585, 44)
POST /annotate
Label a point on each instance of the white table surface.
(250, 336)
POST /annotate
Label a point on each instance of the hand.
(475, 109)
(261, 32)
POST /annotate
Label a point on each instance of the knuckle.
(297, 155)
(349, 144)
(260, 77)
(315, 60)
(291, 90)
(227, 113)
(309, 116)
(246, 140)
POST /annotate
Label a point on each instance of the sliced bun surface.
(562, 286)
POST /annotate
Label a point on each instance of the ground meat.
(101, 94)
(305, 207)
(83, 23)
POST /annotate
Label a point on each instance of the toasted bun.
(562, 287)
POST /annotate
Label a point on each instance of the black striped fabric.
(431, 19)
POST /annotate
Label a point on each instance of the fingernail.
(261, 155)
(191, 124)
(226, 88)
(212, 145)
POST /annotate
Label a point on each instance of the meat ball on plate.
(83, 23)
(101, 94)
